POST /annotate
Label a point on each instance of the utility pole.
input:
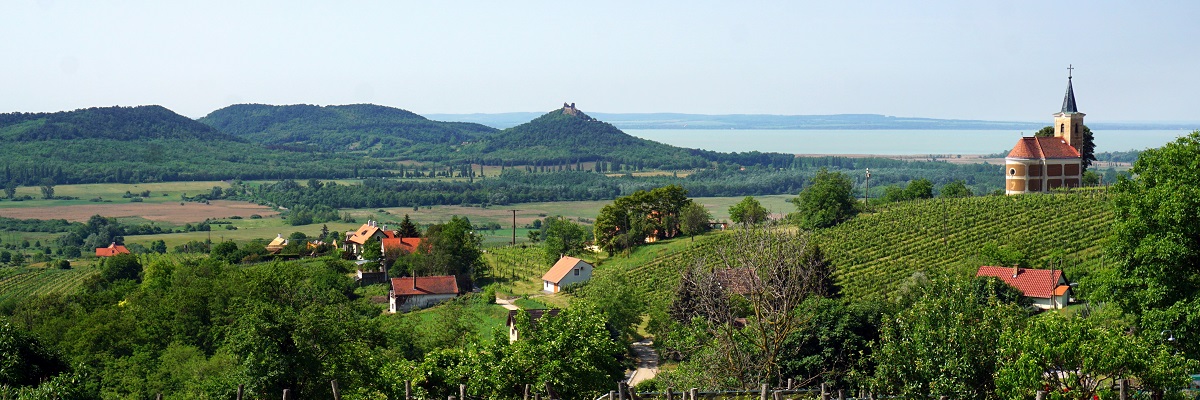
(867, 191)
(514, 229)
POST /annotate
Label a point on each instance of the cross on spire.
(1070, 69)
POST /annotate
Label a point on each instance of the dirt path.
(507, 304)
(647, 362)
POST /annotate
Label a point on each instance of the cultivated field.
(177, 213)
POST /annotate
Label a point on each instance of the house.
(277, 244)
(566, 271)
(420, 292)
(738, 280)
(112, 250)
(534, 316)
(1040, 164)
(401, 244)
(1048, 288)
(355, 240)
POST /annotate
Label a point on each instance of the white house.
(566, 271)
(420, 292)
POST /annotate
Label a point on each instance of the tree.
(372, 250)
(766, 276)
(47, 188)
(1155, 246)
(563, 237)
(618, 301)
(452, 248)
(626, 222)
(943, 343)
(1087, 149)
(1078, 357)
(121, 266)
(1091, 178)
(919, 189)
(226, 251)
(748, 212)
(694, 219)
(10, 189)
(408, 229)
(827, 201)
(957, 188)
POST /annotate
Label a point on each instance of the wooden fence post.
(670, 396)
(1124, 389)
(612, 395)
(621, 391)
(762, 392)
(450, 397)
(407, 390)
(776, 395)
(526, 395)
(692, 393)
(944, 397)
(1040, 395)
(287, 394)
(336, 396)
(841, 394)
(241, 388)
(789, 385)
(462, 391)
(824, 392)
(158, 396)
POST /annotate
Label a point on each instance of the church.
(1041, 164)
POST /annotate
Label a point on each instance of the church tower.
(1068, 123)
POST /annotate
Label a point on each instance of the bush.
(63, 264)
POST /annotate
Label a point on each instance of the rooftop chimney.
(1016, 270)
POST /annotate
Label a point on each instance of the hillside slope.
(386, 131)
(875, 253)
(149, 143)
(567, 135)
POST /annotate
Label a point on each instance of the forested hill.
(115, 123)
(384, 131)
(567, 136)
(147, 144)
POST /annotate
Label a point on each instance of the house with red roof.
(404, 245)
(1048, 288)
(420, 292)
(1041, 164)
(566, 271)
(355, 240)
(112, 250)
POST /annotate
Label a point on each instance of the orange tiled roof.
(411, 286)
(561, 268)
(1035, 148)
(407, 245)
(111, 250)
(1038, 283)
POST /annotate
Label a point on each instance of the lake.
(884, 142)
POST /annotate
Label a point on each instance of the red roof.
(561, 268)
(111, 250)
(1038, 283)
(1036, 148)
(406, 245)
(421, 285)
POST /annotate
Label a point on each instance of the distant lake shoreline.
(884, 141)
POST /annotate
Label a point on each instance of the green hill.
(115, 123)
(149, 143)
(567, 136)
(874, 253)
(384, 131)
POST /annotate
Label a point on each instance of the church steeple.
(1069, 100)
(1068, 123)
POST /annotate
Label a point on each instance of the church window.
(1062, 128)
(1012, 171)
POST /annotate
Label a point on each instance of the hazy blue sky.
(1004, 60)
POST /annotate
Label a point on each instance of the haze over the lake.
(942, 59)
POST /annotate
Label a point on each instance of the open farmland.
(173, 212)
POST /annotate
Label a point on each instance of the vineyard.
(519, 269)
(875, 252)
(16, 283)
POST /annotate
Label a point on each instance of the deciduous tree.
(827, 201)
(748, 212)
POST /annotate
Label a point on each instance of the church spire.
(1068, 106)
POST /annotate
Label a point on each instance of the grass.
(530, 304)
(112, 191)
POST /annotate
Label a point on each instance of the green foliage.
(626, 222)
(1155, 244)
(563, 238)
(451, 248)
(408, 229)
(618, 301)
(827, 201)
(372, 250)
(121, 266)
(943, 344)
(957, 188)
(1002, 256)
(24, 361)
(1077, 358)
(694, 219)
(748, 212)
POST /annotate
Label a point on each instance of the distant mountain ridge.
(116, 123)
(340, 127)
(767, 121)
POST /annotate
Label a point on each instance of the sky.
(989, 60)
